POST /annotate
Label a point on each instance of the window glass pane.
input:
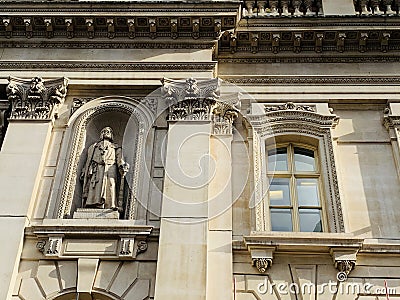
(304, 159)
(310, 220)
(279, 191)
(307, 191)
(277, 159)
(281, 219)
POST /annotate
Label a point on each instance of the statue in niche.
(103, 170)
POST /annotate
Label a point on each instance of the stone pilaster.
(33, 106)
(196, 218)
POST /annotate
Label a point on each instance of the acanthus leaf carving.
(290, 106)
(35, 99)
(190, 99)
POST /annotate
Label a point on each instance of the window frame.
(292, 175)
(309, 123)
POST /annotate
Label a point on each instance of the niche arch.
(130, 116)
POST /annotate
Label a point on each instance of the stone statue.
(103, 167)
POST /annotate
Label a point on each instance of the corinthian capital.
(35, 99)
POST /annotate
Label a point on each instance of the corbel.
(50, 247)
(89, 28)
(297, 43)
(262, 257)
(362, 43)
(174, 28)
(131, 28)
(8, 27)
(153, 28)
(385, 42)
(340, 42)
(195, 28)
(276, 37)
(254, 43)
(318, 42)
(344, 261)
(49, 28)
(297, 12)
(70, 28)
(28, 27)
(110, 28)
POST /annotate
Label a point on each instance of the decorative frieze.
(35, 99)
(290, 106)
(98, 26)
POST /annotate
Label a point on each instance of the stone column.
(34, 104)
(190, 241)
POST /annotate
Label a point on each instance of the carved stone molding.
(290, 106)
(62, 240)
(35, 99)
(307, 80)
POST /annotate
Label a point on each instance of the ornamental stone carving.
(190, 100)
(262, 264)
(35, 99)
(290, 106)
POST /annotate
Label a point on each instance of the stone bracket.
(262, 257)
(344, 259)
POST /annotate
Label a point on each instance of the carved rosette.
(262, 264)
(35, 99)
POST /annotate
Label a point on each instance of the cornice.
(312, 80)
(119, 66)
(312, 59)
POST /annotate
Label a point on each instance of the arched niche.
(130, 121)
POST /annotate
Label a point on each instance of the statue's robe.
(101, 175)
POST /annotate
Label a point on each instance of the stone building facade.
(257, 149)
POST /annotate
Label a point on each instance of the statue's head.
(107, 133)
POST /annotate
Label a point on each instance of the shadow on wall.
(369, 180)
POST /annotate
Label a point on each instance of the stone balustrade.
(377, 7)
(282, 8)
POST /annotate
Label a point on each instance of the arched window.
(294, 194)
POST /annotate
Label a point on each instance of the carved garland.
(78, 138)
(299, 123)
